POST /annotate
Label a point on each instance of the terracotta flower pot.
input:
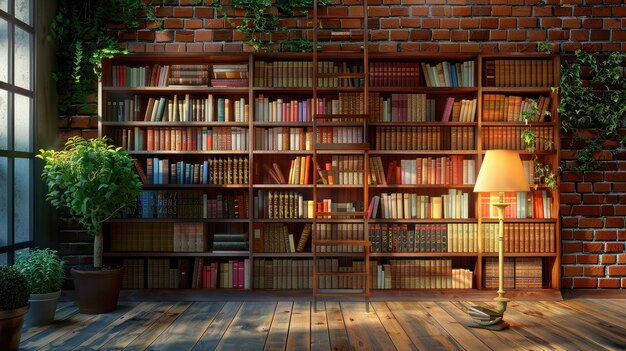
(11, 328)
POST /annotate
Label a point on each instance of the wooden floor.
(571, 324)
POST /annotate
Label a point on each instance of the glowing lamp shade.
(501, 171)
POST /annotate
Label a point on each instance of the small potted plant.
(96, 182)
(13, 306)
(44, 274)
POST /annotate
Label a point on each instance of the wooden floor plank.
(337, 333)
(320, 340)
(277, 336)
(249, 328)
(83, 331)
(457, 330)
(420, 327)
(217, 329)
(365, 329)
(60, 328)
(398, 336)
(574, 338)
(146, 338)
(185, 331)
(111, 331)
(64, 311)
(300, 327)
(507, 339)
(137, 326)
(606, 314)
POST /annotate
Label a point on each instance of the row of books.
(341, 280)
(455, 169)
(215, 170)
(340, 135)
(229, 75)
(519, 73)
(127, 76)
(502, 108)
(190, 109)
(281, 205)
(141, 237)
(519, 273)
(342, 169)
(282, 273)
(339, 231)
(280, 110)
(454, 204)
(510, 137)
(219, 75)
(330, 205)
(281, 74)
(395, 74)
(402, 108)
(229, 241)
(422, 274)
(449, 74)
(276, 237)
(520, 237)
(424, 138)
(283, 138)
(191, 204)
(180, 138)
(534, 204)
(231, 274)
(431, 237)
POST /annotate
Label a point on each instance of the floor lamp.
(501, 171)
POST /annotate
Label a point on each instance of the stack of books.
(230, 75)
(188, 74)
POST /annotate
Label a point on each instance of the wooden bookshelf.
(237, 197)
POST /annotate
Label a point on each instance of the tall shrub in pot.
(44, 274)
(96, 182)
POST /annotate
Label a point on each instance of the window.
(17, 37)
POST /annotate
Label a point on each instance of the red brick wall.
(593, 204)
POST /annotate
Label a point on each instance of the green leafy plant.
(42, 269)
(13, 289)
(543, 172)
(96, 181)
(544, 46)
(595, 100)
(80, 30)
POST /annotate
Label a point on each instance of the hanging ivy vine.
(594, 100)
(543, 172)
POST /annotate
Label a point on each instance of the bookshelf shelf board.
(285, 90)
(517, 124)
(174, 124)
(423, 152)
(422, 186)
(178, 254)
(283, 254)
(191, 152)
(180, 220)
(423, 220)
(280, 220)
(195, 186)
(424, 254)
(423, 124)
(282, 186)
(177, 90)
(357, 148)
(282, 124)
(520, 220)
(283, 152)
(339, 186)
(425, 90)
(339, 220)
(520, 90)
(520, 254)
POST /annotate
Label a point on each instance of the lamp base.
(501, 325)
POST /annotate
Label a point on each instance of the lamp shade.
(501, 170)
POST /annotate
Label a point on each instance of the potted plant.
(96, 182)
(13, 306)
(44, 274)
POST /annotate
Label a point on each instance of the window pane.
(4, 120)
(22, 57)
(4, 5)
(4, 51)
(21, 124)
(4, 259)
(22, 10)
(22, 199)
(4, 193)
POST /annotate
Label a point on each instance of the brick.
(569, 222)
(478, 11)
(421, 34)
(469, 47)
(505, 23)
(213, 23)
(528, 22)
(572, 176)
(516, 35)
(430, 23)
(505, 47)
(567, 187)
(593, 247)
(584, 187)
(580, 234)
(489, 23)
(585, 283)
(601, 11)
(609, 283)
(556, 34)
(184, 36)
(607, 259)
(440, 11)
(449, 47)
(175, 48)
(459, 35)
(469, 23)
(164, 11)
(572, 271)
(621, 235)
(461, 11)
(570, 198)
(571, 23)
(617, 271)
(450, 23)
(614, 222)
(378, 11)
(419, 11)
(587, 259)
(550, 23)
(575, 246)
(399, 35)
(501, 11)
(582, 11)
(586, 210)
(593, 271)
(592, 23)
(606, 235)
(602, 187)
(409, 22)
(203, 12)
(399, 11)
(479, 35)
(599, 35)
(568, 259)
(614, 247)
(173, 23)
(183, 12)
(621, 258)
(441, 34)
(212, 47)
